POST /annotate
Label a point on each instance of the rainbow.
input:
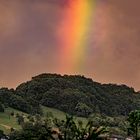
(73, 32)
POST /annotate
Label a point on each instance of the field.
(7, 121)
(61, 115)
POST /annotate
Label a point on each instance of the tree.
(1, 108)
(20, 119)
(69, 130)
(1, 133)
(134, 123)
(82, 109)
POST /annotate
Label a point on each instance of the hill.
(77, 95)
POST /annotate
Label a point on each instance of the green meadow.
(7, 121)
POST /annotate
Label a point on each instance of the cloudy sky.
(30, 44)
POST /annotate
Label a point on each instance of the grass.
(7, 121)
(56, 113)
(61, 115)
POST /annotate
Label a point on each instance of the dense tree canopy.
(79, 95)
(9, 98)
(134, 123)
(1, 108)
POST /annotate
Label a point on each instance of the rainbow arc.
(73, 33)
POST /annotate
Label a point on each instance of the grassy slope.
(7, 121)
(61, 115)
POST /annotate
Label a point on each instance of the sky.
(95, 38)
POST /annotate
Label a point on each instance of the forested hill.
(79, 95)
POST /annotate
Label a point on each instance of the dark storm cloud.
(28, 42)
(27, 39)
(117, 59)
